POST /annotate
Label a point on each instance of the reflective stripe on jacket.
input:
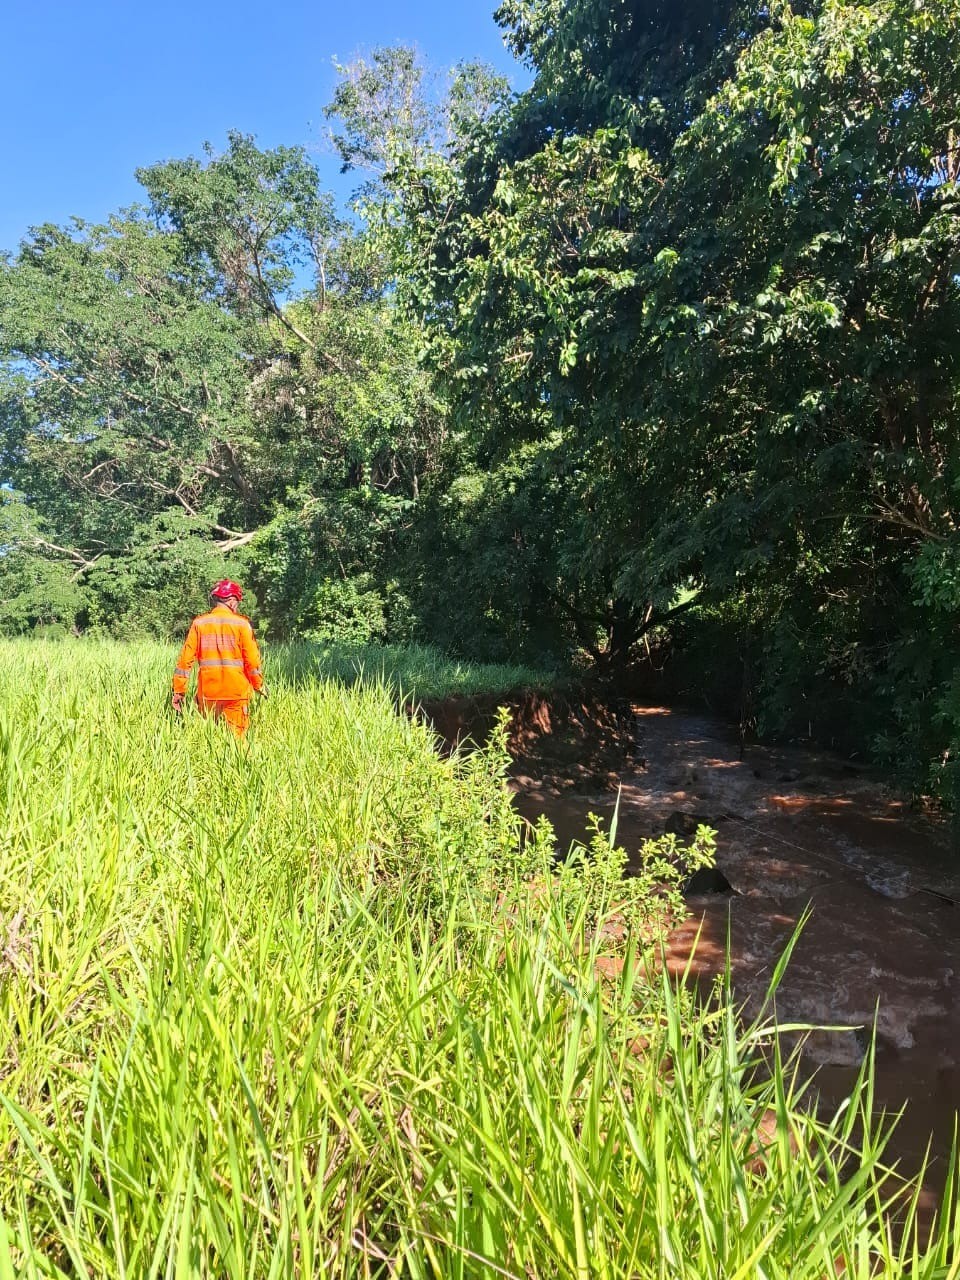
(223, 646)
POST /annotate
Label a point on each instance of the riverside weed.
(294, 1011)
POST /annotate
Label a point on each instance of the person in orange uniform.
(223, 645)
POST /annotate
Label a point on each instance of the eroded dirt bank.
(797, 830)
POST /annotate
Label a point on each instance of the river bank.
(802, 836)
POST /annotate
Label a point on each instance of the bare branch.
(237, 540)
(77, 557)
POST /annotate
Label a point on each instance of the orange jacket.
(223, 644)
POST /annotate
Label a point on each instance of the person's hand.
(177, 703)
(263, 691)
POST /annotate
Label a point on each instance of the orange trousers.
(235, 711)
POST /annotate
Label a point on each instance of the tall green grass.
(417, 670)
(310, 1008)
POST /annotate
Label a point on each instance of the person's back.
(222, 644)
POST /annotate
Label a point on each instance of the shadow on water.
(798, 829)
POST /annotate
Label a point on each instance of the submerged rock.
(707, 880)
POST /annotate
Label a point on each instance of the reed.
(312, 1008)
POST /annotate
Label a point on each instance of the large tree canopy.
(695, 293)
(166, 403)
(772, 296)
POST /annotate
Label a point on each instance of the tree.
(169, 400)
(247, 220)
(396, 114)
(124, 388)
(712, 257)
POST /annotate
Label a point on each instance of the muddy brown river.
(796, 830)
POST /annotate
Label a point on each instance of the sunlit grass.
(414, 670)
(308, 1008)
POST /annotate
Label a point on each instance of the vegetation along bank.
(655, 357)
(311, 1007)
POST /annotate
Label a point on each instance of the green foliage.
(159, 585)
(679, 317)
(34, 592)
(312, 1008)
(483, 559)
(245, 220)
(395, 114)
(166, 407)
(351, 611)
(643, 891)
(710, 259)
(411, 672)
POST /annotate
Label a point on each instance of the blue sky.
(91, 89)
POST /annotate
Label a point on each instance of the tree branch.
(237, 540)
(77, 557)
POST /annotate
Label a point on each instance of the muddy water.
(799, 830)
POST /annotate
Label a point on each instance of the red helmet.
(224, 589)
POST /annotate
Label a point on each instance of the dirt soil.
(566, 741)
(797, 831)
